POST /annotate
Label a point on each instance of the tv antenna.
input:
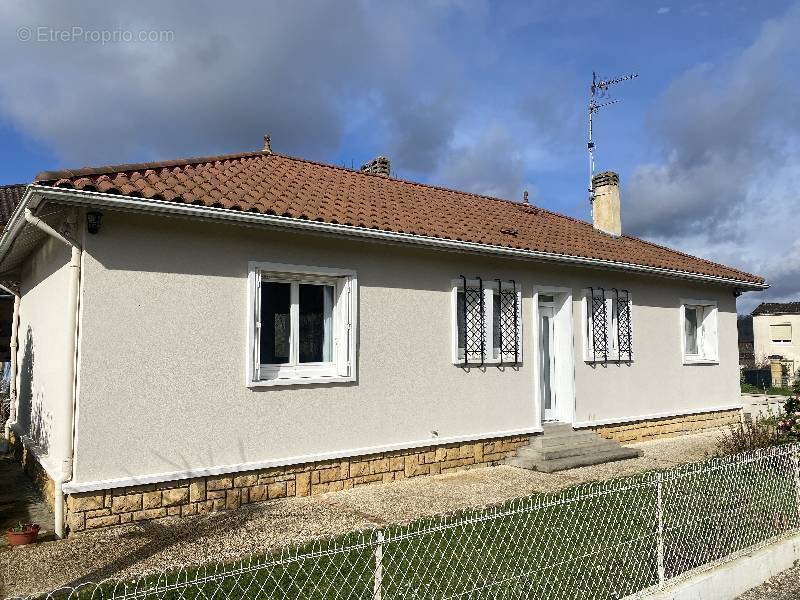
(599, 98)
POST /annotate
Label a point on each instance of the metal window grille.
(597, 324)
(509, 322)
(622, 299)
(620, 538)
(473, 334)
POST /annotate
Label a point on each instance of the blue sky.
(484, 96)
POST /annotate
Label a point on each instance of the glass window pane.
(275, 322)
(546, 351)
(497, 333)
(460, 323)
(316, 315)
(690, 324)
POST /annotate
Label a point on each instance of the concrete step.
(567, 450)
(555, 425)
(561, 447)
(549, 440)
(572, 462)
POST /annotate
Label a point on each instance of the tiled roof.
(10, 195)
(777, 308)
(281, 185)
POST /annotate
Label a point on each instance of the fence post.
(660, 533)
(377, 590)
(796, 465)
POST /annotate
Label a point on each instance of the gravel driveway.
(128, 551)
(784, 586)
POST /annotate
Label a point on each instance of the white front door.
(547, 362)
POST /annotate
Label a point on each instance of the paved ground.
(19, 501)
(784, 586)
(761, 404)
(150, 547)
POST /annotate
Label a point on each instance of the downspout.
(69, 385)
(12, 383)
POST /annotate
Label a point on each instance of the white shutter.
(612, 329)
(709, 339)
(780, 333)
(488, 322)
(519, 325)
(255, 282)
(344, 329)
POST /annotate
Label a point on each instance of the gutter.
(35, 194)
(69, 387)
(12, 383)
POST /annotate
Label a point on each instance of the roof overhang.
(36, 195)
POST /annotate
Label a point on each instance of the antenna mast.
(598, 92)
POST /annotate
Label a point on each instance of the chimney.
(377, 166)
(267, 149)
(605, 203)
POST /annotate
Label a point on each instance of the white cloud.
(230, 74)
(663, 10)
(728, 186)
(490, 163)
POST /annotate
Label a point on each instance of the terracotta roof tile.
(281, 185)
(10, 196)
(777, 308)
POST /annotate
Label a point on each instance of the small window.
(609, 334)
(487, 322)
(302, 324)
(781, 334)
(699, 332)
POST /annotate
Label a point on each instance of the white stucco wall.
(762, 339)
(657, 382)
(163, 349)
(43, 337)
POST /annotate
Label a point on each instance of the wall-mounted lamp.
(93, 220)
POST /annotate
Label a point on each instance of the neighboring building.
(199, 334)
(776, 335)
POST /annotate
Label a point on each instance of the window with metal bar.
(609, 332)
(622, 316)
(487, 322)
(507, 312)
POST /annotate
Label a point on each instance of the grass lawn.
(772, 391)
(594, 541)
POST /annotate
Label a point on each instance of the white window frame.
(611, 329)
(781, 342)
(344, 325)
(489, 288)
(707, 332)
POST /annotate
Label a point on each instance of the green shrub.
(789, 421)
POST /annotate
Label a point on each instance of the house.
(199, 334)
(776, 338)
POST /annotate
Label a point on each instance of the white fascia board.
(37, 193)
(17, 221)
(106, 484)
